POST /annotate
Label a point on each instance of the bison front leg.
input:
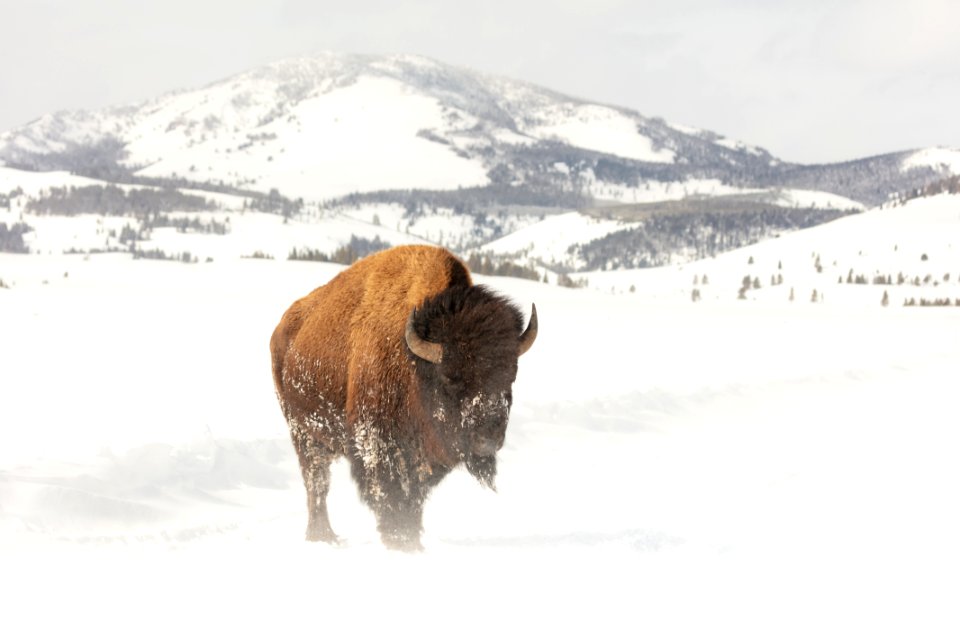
(395, 498)
(315, 460)
(400, 524)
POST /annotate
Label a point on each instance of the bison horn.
(530, 333)
(429, 351)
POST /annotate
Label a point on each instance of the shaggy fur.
(349, 385)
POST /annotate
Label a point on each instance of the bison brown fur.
(404, 366)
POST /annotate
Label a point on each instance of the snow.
(598, 128)
(250, 233)
(550, 239)
(748, 469)
(938, 158)
(33, 182)
(918, 239)
(687, 129)
(737, 145)
(657, 191)
(807, 199)
(354, 138)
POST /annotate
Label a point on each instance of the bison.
(404, 366)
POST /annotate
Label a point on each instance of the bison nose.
(486, 446)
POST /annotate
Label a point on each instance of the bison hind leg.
(315, 460)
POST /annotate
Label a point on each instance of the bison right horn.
(429, 351)
(529, 334)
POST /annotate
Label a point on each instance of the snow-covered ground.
(758, 468)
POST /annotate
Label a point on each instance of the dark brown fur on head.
(468, 393)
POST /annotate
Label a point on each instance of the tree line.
(661, 237)
(347, 253)
(114, 201)
(490, 266)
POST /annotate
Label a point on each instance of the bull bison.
(404, 366)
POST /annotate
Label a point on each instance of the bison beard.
(405, 367)
(484, 469)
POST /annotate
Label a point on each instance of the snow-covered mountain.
(406, 148)
(329, 125)
(325, 126)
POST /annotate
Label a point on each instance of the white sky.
(810, 80)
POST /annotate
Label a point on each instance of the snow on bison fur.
(404, 366)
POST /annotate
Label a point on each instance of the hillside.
(409, 149)
(909, 253)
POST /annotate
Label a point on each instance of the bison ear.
(529, 335)
(429, 351)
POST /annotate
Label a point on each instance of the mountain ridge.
(506, 129)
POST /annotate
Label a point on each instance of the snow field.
(764, 470)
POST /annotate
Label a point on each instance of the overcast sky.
(810, 80)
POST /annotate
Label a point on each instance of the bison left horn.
(529, 334)
(429, 351)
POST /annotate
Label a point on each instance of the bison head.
(465, 343)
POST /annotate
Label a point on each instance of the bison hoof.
(323, 536)
(401, 543)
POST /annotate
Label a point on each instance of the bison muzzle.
(405, 367)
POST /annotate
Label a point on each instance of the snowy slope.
(333, 124)
(807, 199)
(250, 233)
(937, 158)
(600, 129)
(920, 240)
(553, 240)
(550, 239)
(31, 183)
(354, 138)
